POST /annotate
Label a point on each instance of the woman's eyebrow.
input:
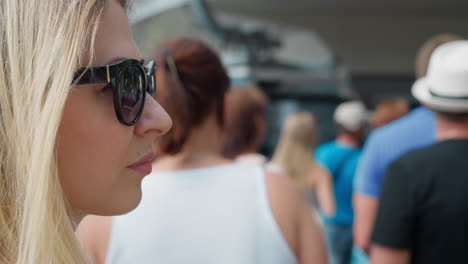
(119, 59)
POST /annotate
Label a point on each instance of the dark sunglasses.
(130, 80)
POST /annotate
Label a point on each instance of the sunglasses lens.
(152, 85)
(131, 86)
(150, 73)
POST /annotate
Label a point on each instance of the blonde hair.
(294, 153)
(42, 43)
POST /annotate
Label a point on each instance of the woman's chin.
(124, 204)
(127, 206)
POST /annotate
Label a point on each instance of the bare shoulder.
(94, 236)
(282, 191)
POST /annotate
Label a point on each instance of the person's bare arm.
(94, 236)
(386, 255)
(312, 243)
(296, 220)
(365, 213)
(324, 190)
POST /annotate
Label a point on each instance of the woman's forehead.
(114, 38)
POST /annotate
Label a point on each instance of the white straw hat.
(445, 87)
(351, 115)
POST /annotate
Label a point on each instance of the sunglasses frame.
(111, 74)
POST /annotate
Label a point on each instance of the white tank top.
(216, 215)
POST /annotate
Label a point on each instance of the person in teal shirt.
(340, 158)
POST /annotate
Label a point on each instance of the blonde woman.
(74, 141)
(294, 156)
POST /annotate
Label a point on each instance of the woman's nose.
(154, 120)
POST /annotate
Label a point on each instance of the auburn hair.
(245, 107)
(191, 85)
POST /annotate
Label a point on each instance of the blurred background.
(308, 55)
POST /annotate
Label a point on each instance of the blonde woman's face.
(101, 162)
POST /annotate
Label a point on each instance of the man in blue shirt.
(340, 158)
(385, 145)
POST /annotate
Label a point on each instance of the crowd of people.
(108, 157)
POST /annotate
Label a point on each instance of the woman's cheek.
(92, 151)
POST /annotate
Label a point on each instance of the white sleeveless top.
(216, 215)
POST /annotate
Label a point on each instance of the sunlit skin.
(95, 150)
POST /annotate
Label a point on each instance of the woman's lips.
(143, 165)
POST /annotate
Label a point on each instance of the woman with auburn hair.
(294, 156)
(77, 123)
(245, 125)
(199, 207)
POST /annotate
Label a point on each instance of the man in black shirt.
(423, 215)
